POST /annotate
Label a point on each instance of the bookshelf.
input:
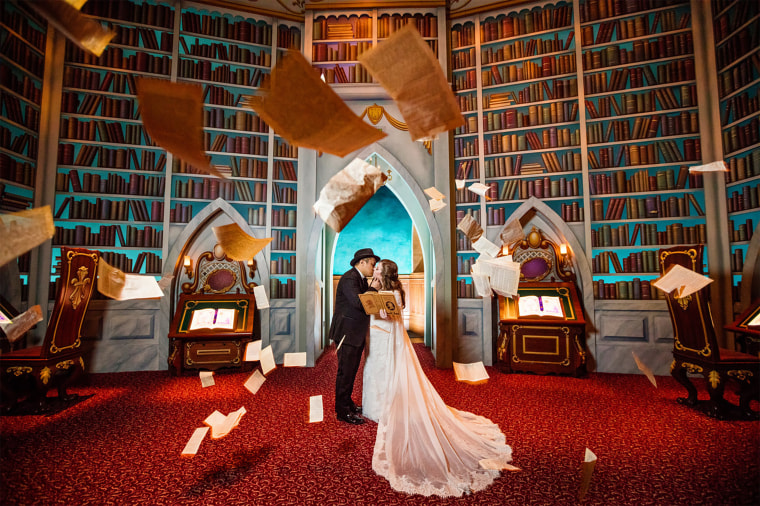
(22, 57)
(737, 55)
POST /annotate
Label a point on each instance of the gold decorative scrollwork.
(19, 370)
(672, 366)
(79, 284)
(173, 354)
(45, 374)
(376, 112)
(81, 362)
(692, 368)
(65, 364)
(714, 378)
(581, 353)
(740, 374)
(684, 302)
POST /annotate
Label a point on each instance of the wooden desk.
(542, 344)
(748, 336)
(210, 348)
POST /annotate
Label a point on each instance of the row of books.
(82, 235)
(739, 106)
(11, 17)
(637, 262)
(356, 74)
(462, 36)
(464, 147)
(631, 155)
(465, 290)
(674, 233)
(464, 264)
(209, 189)
(25, 115)
(570, 213)
(123, 108)
(645, 208)
(743, 200)
(643, 127)
(535, 92)
(523, 23)
(510, 73)
(635, 289)
(151, 39)
(339, 51)
(505, 166)
(643, 181)
(24, 85)
(257, 216)
(104, 209)
(342, 27)
(283, 265)
(282, 289)
(729, 20)
(283, 217)
(115, 184)
(222, 73)
(739, 75)
(521, 49)
(115, 58)
(86, 80)
(463, 243)
(289, 37)
(23, 144)
(737, 46)
(470, 126)
(669, 46)
(593, 10)
(104, 131)
(468, 169)
(284, 194)
(116, 158)
(121, 261)
(234, 120)
(647, 101)
(618, 80)
(12, 202)
(467, 102)
(227, 52)
(426, 24)
(15, 50)
(472, 213)
(16, 171)
(737, 260)
(551, 137)
(241, 144)
(638, 26)
(222, 27)
(556, 112)
(285, 150)
(161, 16)
(740, 231)
(741, 136)
(283, 240)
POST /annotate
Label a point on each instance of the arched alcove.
(196, 237)
(535, 212)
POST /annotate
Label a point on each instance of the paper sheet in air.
(23, 231)
(266, 359)
(316, 411)
(294, 359)
(254, 381)
(237, 244)
(119, 285)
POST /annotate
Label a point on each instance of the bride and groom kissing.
(422, 445)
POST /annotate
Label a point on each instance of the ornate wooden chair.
(33, 371)
(696, 350)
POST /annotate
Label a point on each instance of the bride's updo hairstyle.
(389, 273)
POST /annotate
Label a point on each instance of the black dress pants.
(349, 358)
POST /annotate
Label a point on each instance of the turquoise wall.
(383, 225)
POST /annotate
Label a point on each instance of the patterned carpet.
(123, 444)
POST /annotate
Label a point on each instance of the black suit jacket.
(349, 318)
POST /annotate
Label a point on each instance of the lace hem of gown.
(476, 480)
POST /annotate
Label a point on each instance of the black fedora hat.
(364, 253)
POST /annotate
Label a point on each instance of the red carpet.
(123, 444)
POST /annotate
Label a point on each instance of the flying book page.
(254, 381)
(719, 166)
(436, 205)
(436, 199)
(644, 369)
(316, 409)
(213, 318)
(503, 274)
(191, 448)
(252, 351)
(237, 244)
(542, 305)
(260, 293)
(474, 374)
(459, 184)
(14, 329)
(486, 247)
(303, 109)
(480, 189)
(294, 359)
(207, 378)
(587, 469)
(173, 117)
(119, 285)
(266, 360)
(23, 231)
(221, 425)
(82, 30)
(470, 227)
(482, 284)
(408, 69)
(373, 302)
(684, 281)
(512, 233)
(347, 192)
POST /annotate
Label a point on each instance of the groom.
(349, 328)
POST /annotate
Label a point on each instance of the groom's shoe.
(351, 418)
(357, 410)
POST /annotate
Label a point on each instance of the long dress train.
(424, 446)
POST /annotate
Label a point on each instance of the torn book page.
(512, 233)
(19, 325)
(237, 244)
(80, 29)
(470, 227)
(118, 285)
(23, 231)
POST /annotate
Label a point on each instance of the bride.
(423, 446)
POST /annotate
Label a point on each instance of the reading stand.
(199, 335)
(747, 329)
(544, 336)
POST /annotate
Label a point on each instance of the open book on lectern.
(213, 318)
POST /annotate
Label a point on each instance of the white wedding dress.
(423, 446)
